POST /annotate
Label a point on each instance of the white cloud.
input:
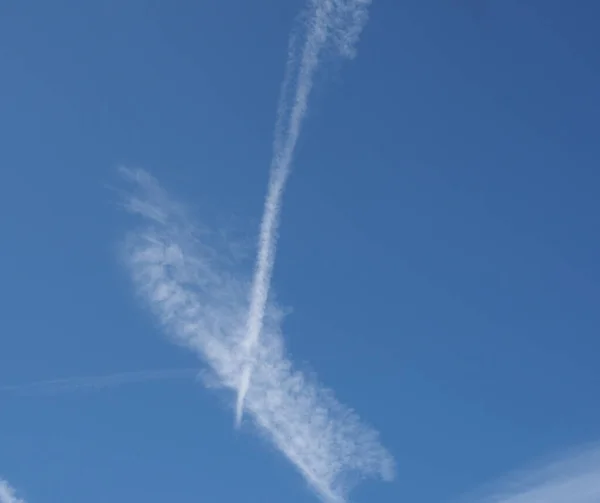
(192, 288)
(340, 23)
(572, 479)
(8, 494)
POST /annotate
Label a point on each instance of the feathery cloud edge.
(572, 478)
(8, 493)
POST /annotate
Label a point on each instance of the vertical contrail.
(338, 21)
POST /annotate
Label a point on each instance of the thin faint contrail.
(339, 22)
(70, 384)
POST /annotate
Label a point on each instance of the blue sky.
(437, 249)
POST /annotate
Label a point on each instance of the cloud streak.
(71, 384)
(193, 287)
(328, 22)
(573, 479)
(8, 494)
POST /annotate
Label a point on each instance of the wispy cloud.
(8, 494)
(335, 23)
(573, 479)
(70, 384)
(193, 288)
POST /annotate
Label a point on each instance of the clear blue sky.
(439, 244)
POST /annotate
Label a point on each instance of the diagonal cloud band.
(193, 289)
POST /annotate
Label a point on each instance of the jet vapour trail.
(70, 384)
(329, 21)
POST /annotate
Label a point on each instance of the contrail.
(340, 23)
(8, 494)
(70, 384)
(196, 292)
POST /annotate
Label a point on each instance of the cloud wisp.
(573, 479)
(71, 384)
(196, 292)
(8, 494)
(335, 23)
